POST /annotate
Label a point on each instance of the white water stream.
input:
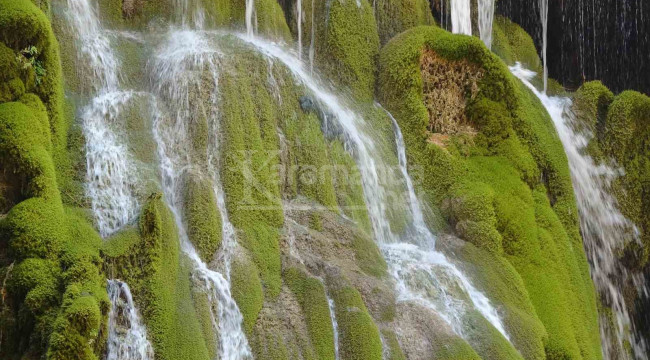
(410, 254)
(110, 173)
(543, 13)
(604, 229)
(127, 335)
(461, 17)
(485, 21)
(184, 67)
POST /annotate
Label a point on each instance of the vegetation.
(488, 183)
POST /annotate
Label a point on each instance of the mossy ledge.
(504, 187)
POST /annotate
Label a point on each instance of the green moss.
(512, 181)
(455, 348)
(202, 217)
(368, 256)
(250, 168)
(590, 104)
(358, 335)
(506, 290)
(247, 291)
(395, 16)
(159, 278)
(311, 295)
(346, 42)
(394, 350)
(513, 44)
(349, 193)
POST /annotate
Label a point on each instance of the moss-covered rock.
(345, 42)
(246, 290)
(395, 16)
(202, 217)
(534, 217)
(359, 337)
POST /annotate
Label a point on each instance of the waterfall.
(250, 14)
(335, 327)
(127, 336)
(410, 254)
(299, 24)
(184, 67)
(603, 226)
(543, 13)
(110, 174)
(312, 43)
(461, 17)
(485, 21)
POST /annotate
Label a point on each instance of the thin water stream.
(409, 254)
(605, 229)
(127, 335)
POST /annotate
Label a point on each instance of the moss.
(247, 291)
(358, 335)
(395, 16)
(505, 288)
(202, 217)
(311, 295)
(159, 278)
(456, 349)
(590, 104)
(24, 18)
(346, 42)
(250, 171)
(513, 44)
(349, 193)
(368, 256)
(512, 179)
(308, 148)
(392, 344)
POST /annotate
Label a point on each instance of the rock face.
(605, 40)
(271, 192)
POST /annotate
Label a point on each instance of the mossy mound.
(506, 188)
(149, 260)
(55, 303)
(514, 44)
(359, 337)
(345, 42)
(395, 16)
(202, 217)
(619, 128)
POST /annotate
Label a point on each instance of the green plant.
(28, 58)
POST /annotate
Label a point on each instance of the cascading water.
(335, 327)
(184, 67)
(543, 13)
(461, 18)
(250, 17)
(604, 228)
(417, 243)
(127, 336)
(299, 25)
(110, 173)
(485, 21)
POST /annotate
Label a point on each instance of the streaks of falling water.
(127, 336)
(109, 172)
(312, 43)
(603, 226)
(414, 253)
(543, 13)
(461, 20)
(187, 65)
(335, 326)
(485, 21)
(250, 17)
(299, 24)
